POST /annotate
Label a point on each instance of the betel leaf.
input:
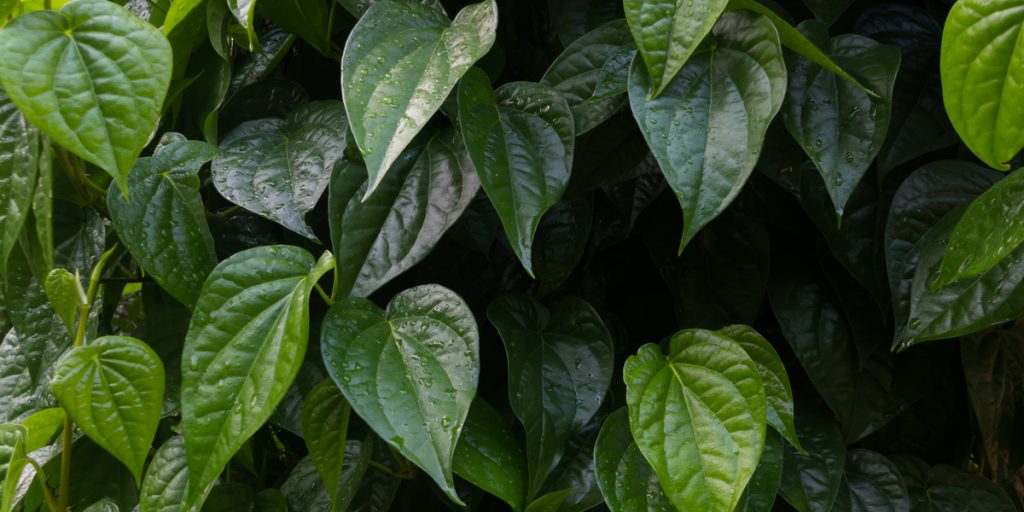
(838, 125)
(559, 367)
(521, 139)
(19, 155)
(761, 492)
(778, 393)
(42, 425)
(325, 415)
(707, 127)
(358, 7)
(982, 68)
(162, 221)
(304, 491)
(948, 489)
(550, 502)
(811, 480)
(698, 417)
(409, 371)
(12, 462)
(489, 456)
(400, 63)
(378, 238)
(309, 19)
(571, 19)
(91, 76)
(113, 389)
(63, 292)
(667, 33)
(245, 12)
(165, 487)
(828, 11)
(591, 74)
(992, 227)
(626, 480)
(561, 240)
(244, 346)
(871, 483)
(576, 469)
(278, 168)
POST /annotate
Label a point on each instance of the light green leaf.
(13, 461)
(811, 480)
(42, 425)
(63, 291)
(325, 416)
(165, 487)
(761, 491)
(91, 76)
(113, 389)
(698, 417)
(379, 238)
(871, 483)
(178, 12)
(521, 139)
(245, 344)
(707, 127)
(992, 227)
(19, 157)
(560, 363)
(400, 63)
(278, 168)
(667, 33)
(409, 371)
(489, 456)
(162, 221)
(245, 12)
(982, 68)
(626, 480)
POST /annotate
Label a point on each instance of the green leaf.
(104, 505)
(162, 221)
(325, 416)
(951, 490)
(778, 394)
(165, 487)
(626, 480)
(308, 19)
(304, 491)
(811, 480)
(91, 76)
(591, 74)
(576, 469)
(489, 456)
(409, 371)
(358, 7)
(698, 417)
(178, 12)
(667, 33)
(561, 240)
(113, 389)
(707, 127)
(230, 497)
(521, 139)
(42, 425)
(990, 229)
(62, 291)
(19, 157)
(838, 125)
(245, 344)
(245, 12)
(560, 363)
(13, 461)
(761, 491)
(379, 238)
(982, 66)
(278, 168)
(571, 19)
(400, 63)
(550, 502)
(871, 483)
(828, 11)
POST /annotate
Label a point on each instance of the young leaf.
(400, 63)
(19, 157)
(42, 425)
(811, 480)
(698, 417)
(871, 483)
(91, 76)
(489, 457)
(667, 33)
(626, 480)
(113, 389)
(165, 487)
(521, 139)
(162, 221)
(707, 127)
(62, 291)
(379, 238)
(559, 367)
(278, 168)
(409, 371)
(325, 416)
(12, 463)
(245, 344)
(982, 66)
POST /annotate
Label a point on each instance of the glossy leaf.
(560, 365)
(62, 291)
(244, 346)
(709, 124)
(304, 490)
(325, 415)
(113, 389)
(761, 491)
(839, 126)
(698, 417)
(42, 426)
(19, 155)
(626, 480)
(381, 237)
(521, 140)
(550, 502)
(982, 66)
(409, 371)
(103, 103)
(12, 462)
(400, 62)
(828, 11)
(561, 240)
(309, 19)
(245, 12)
(950, 490)
(489, 456)
(165, 487)
(162, 221)
(358, 7)
(871, 483)
(811, 480)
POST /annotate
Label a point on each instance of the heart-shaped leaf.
(162, 221)
(559, 367)
(91, 76)
(410, 372)
(667, 33)
(871, 483)
(838, 125)
(113, 389)
(707, 127)
(42, 426)
(489, 457)
(811, 480)
(165, 487)
(63, 292)
(947, 489)
(626, 480)
(698, 417)
(325, 415)
(378, 238)
(278, 168)
(982, 66)
(400, 63)
(244, 346)
(521, 139)
(19, 157)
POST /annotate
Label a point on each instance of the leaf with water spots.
(489, 456)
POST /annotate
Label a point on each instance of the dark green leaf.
(761, 491)
(358, 7)
(574, 18)
(561, 240)
(951, 490)
(871, 483)
(811, 480)
(19, 157)
(165, 487)
(828, 10)
(489, 457)
(626, 480)
(306, 492)
(325, 415)
(550, 502)
(309, 19)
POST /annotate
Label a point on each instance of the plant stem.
(65, 464)
(323, 295)
(47, 492)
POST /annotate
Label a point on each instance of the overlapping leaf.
(488, 456)
(811, 480)
(165, 487)
(627, 482)
(19, 156)
(325, 415)
(871, 483)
